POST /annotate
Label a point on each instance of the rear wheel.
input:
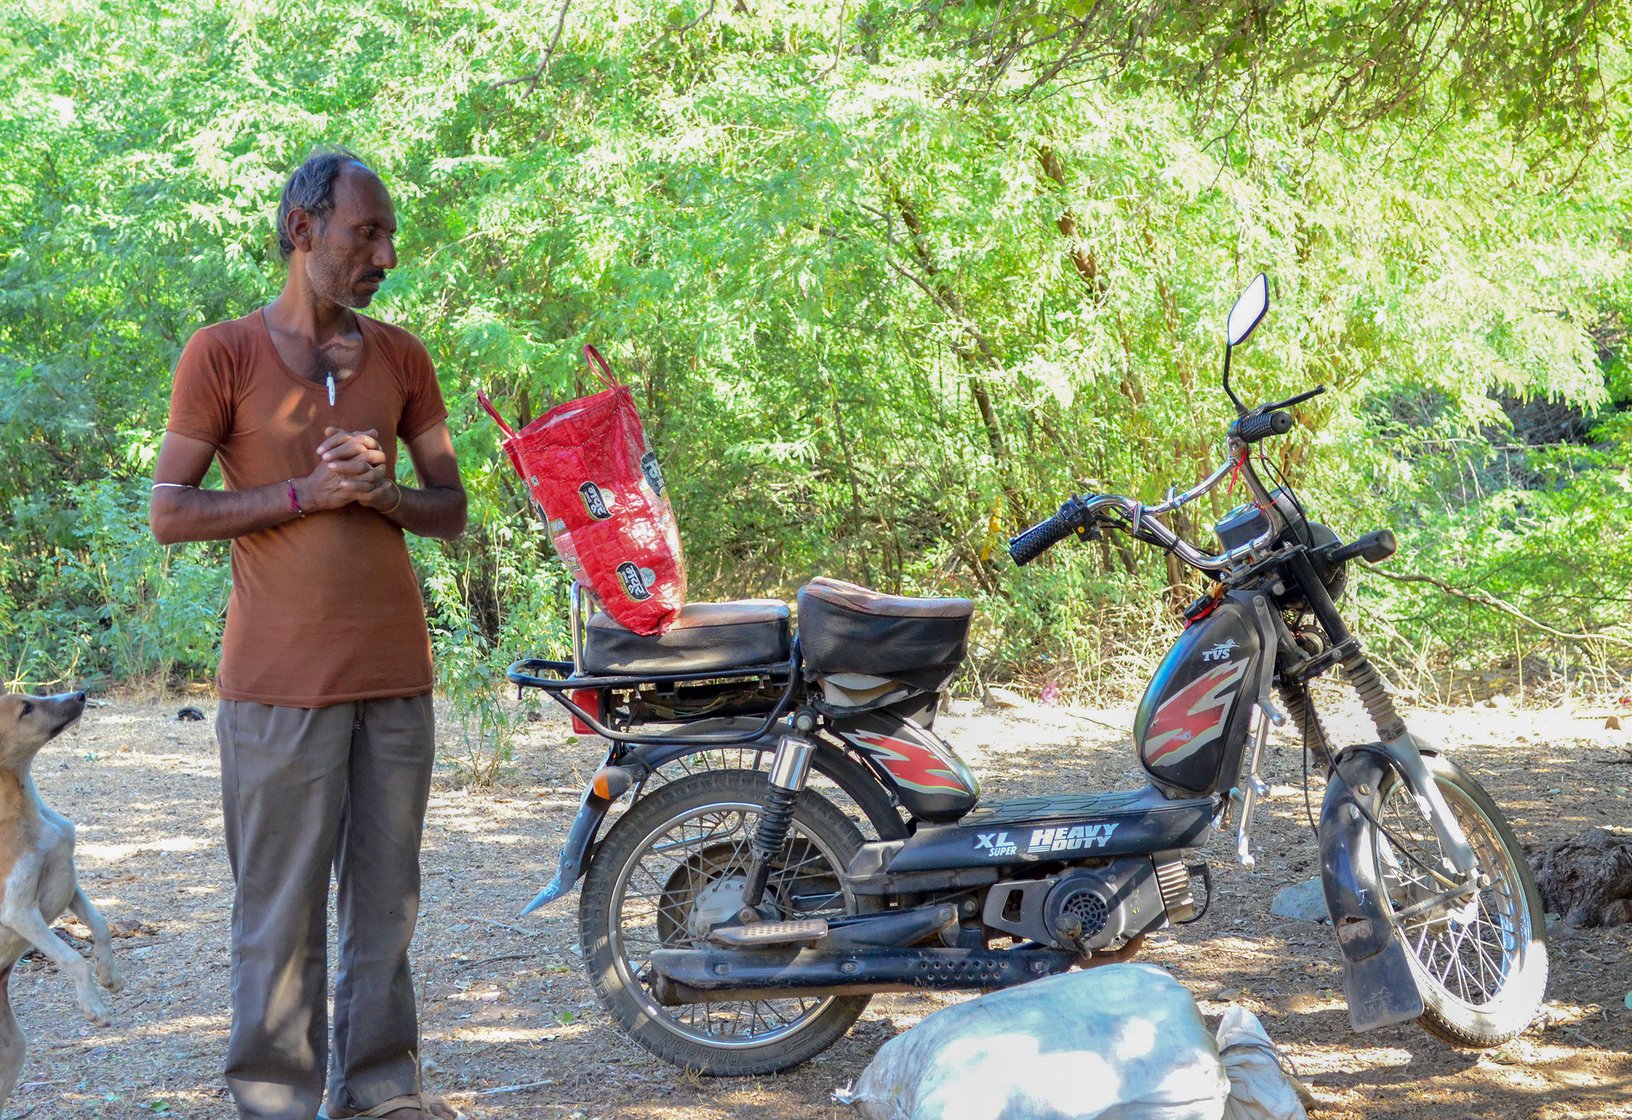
(1480, 960)
(676, 862)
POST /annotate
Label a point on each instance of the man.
(325, 722)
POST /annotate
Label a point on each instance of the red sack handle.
(481, 399)
(593, 357)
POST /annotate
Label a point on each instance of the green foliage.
(108, 601)
(889, 288)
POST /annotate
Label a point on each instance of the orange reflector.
(611, 782)
(589, 699)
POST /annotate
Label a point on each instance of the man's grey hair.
(311, 188)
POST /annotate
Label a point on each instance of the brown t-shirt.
(325, 608)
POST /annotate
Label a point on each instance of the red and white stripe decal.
(913, 765)
(1193, 716)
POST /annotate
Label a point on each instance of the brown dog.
(37, 880)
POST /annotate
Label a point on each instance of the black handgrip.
(1046, 534)
(1251, 429)
(1372, 548)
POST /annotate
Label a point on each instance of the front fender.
(1377, 975)
(829, 760)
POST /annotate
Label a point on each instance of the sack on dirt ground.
(1261, 1088)
(1120, 1042)
(1123, 1041)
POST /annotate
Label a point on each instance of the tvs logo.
(1193, 716)
(654, 477)
(913, 765)
(1220, 652)
(594, 502)
(636, 581)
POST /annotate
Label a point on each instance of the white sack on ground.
(1260, 1088)
(1119, 1042)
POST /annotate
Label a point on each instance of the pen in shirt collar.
(331, 388)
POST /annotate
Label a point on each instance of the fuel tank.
(1192, 725)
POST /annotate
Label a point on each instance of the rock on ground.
(1302, 902)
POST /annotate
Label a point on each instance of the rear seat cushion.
(704, 637)
(846, 628)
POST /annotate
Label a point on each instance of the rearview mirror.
(1248, 310)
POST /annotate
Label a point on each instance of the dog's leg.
(12, 1042)
(26, 921)
(101, 941)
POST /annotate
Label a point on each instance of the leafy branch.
(1502, 606)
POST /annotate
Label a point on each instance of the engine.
(1085, 909)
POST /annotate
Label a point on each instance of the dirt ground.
(512, 1031)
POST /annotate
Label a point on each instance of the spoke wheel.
(1480, 960)
(674, 865)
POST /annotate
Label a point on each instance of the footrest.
(770, 933)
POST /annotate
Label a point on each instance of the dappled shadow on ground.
(512, 1031)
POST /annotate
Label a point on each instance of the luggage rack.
(565, 680)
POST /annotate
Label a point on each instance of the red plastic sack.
(589, 467)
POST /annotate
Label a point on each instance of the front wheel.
(675, 863)
(1480, 961)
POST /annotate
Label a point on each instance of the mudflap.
(1377, 976)
(830, 761)
(591, 812)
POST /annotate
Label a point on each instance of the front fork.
(1398, 746)
(1404, 753)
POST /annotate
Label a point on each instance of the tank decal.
(913, 765)
(1195, 715)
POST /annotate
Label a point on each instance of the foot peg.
(769, 933)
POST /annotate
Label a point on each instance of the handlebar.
(1046, 534)
(1084, 515)
(1261, 425)
(1087, 513)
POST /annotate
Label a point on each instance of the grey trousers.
(303, 789)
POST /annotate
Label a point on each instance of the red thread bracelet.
(294, 500)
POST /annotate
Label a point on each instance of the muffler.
(710, 975)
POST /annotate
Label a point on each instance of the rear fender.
(1377, 975)
(833, 763)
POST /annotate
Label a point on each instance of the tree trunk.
(975, 350)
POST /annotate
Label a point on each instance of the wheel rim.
(1470, 949)
(670, 875)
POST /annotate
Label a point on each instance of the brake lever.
(1290, 401)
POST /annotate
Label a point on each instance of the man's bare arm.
(179, 511)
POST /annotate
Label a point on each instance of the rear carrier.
(717, 660)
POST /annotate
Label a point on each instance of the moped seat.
(704, 637)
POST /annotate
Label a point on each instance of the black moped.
(735, 920)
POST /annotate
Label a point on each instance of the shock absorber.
(1308, 721)
(789, 768)
(1374, 695)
